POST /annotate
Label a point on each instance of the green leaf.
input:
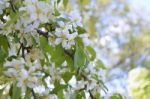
(78, 95)
(67, 76)
(73, 96)
(79, 57)
(79, 41)
(58, 1)
(56, 12)
(81, 30)
(70, 62)
(16, 92)
(60, 95)
(3, 55)
(62, 19)
(97, 95)
(58, 87)
(43, 42)
(91, 54)
(1, 92)
(65, 2)
(81, 95)
(116, 96)
(28, 94)
(45, 46)
(58, 55)
(100, 65)
(4, 42)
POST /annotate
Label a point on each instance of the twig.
(12, 6)
(23, 49)
(69, 53)
(45, 34)
(33, 93)
(91, 95)
(85, 86)
(19, 49)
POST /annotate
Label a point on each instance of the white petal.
(31, 8)
(58, 41)
(24, 73)
(33, 17)
(61, 23)
(86, 41)
(83, 35)
(64, 44)
(72, 36)
(43, 18)
(58, 32)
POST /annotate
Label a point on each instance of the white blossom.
(36, 67)
(15, 63)
(35, 54)
(76, 18)
(65, 38)
(38, 10)
(85, 39)
(25, 80)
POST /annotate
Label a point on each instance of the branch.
(45, 34)
(83, 88)
(23, 49)
(33, 93)
(91, 95)
(19, 49)
(12, 5)
(70, 53)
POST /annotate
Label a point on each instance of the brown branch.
(12, 6)
(19, 49)
(91, 95)
(23, 50)
(33, 93)
(83, 88)
(45, 34)
(70, 53)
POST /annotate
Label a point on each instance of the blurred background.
(120, 30)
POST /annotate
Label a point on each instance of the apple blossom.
(41, 47)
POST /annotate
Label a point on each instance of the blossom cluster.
(48, 49)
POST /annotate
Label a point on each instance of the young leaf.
(91, 54)
(116, 96)
(70, 62)
(58, 55)
(60, 95)
(4, 42)
(56, 12)
(65, 2)
(81, 30)
(16, 92)
(79, 57)
(67, 76)
(58, 87)
(100, 65)
(3, 56)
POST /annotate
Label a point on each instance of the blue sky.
(142, 3)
